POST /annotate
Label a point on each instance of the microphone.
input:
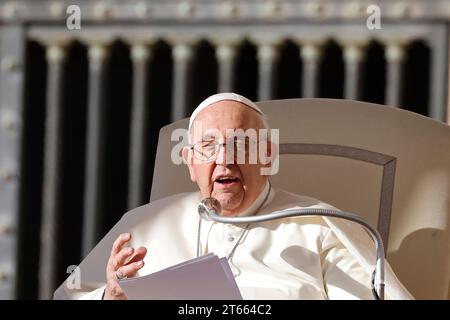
(210, 208)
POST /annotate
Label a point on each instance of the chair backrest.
(388, 165)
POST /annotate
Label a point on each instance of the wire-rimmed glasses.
(207, 150)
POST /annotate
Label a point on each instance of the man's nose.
(222, 155)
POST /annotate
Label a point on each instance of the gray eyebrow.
(209, 136)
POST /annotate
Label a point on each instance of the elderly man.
(301, 258)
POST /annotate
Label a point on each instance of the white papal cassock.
(293, 258)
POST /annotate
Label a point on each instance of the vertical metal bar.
(140, 54)
(395, 54)
(439, 43)
(353, 56)
(226, 55)
(52, 172)
(94, 146)
(448, 89)
(12, 49)
(310, 55)
(267, 68)
(182, 54)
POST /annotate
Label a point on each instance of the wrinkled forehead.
(223, 116)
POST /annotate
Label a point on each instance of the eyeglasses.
(208, 150)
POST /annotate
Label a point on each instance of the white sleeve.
(344, 277)
(93, 295)
(85, 292)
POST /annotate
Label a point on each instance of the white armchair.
(388, 165)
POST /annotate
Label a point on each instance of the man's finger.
(130, 269)
(120, 241)
(120, 258)
(139, 254)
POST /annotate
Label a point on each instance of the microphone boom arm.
(209, 207)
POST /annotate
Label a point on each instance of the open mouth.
(227, 180)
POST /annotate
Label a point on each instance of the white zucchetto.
(220, 97)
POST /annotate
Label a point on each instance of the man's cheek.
(209, 185)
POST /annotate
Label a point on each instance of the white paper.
(203, 278)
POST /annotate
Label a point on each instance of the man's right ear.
(187, 155)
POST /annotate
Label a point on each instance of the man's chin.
(229, 203)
